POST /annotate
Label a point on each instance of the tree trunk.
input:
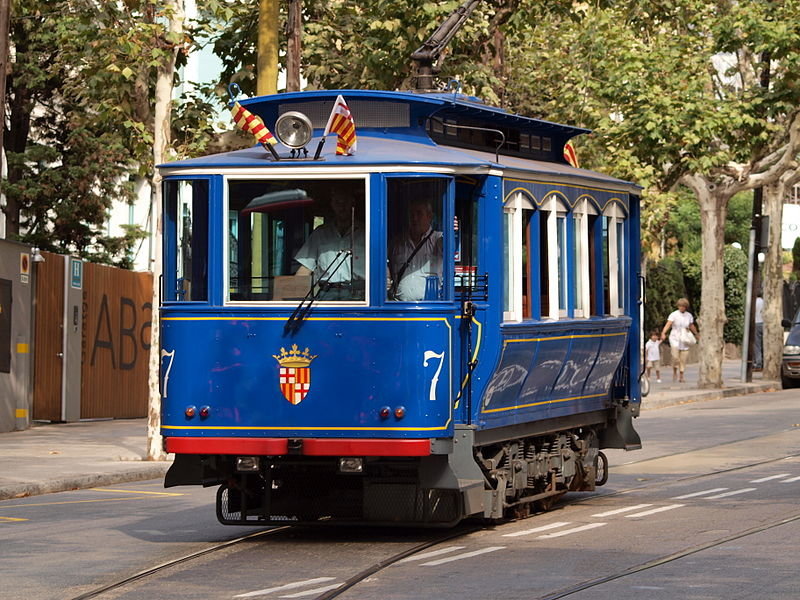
(161, 140)
(772, 271)
(294, 51)
(713, 212)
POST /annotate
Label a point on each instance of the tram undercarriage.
(507, 479)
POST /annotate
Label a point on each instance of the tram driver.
(334, 252)
(415, 257)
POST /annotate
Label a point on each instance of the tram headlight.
(351, 465)
(247, 464)
(294, 129)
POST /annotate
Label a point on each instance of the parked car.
(790, 367)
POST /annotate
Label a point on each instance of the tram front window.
(287, 238)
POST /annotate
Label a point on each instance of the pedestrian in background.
(758, 339)
(681, 324)
(652, 351)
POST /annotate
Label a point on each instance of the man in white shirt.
(327, 253)
(415, 255)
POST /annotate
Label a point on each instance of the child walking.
(653, 355)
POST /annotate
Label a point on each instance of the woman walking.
(681, 322)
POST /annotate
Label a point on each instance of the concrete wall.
(16, 395)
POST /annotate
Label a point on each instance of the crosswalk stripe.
(442, 561)
(703, 493)
(536, 529)
(733, 493)
(314, 592)
(548, 536)
(429, 554)
(288, 586)
(770, 478)
(653, 511)
(621, 510)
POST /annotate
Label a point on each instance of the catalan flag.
(341, 123)
(247, 121)
(569, 154)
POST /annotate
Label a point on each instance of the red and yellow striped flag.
(247, 121)
(341, 123)
(569, 154)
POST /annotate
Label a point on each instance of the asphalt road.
(708, 509)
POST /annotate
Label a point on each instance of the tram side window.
(554, 259)
(415, 242)
(291, 238)
(186, 240)
(465, 226)
(521, 259)
(583, 280)
(613, 260)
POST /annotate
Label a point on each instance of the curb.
(706, 395)
(82, 482)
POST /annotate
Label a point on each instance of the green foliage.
(81, 124)
(735, 292)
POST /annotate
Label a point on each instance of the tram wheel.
(600, 469)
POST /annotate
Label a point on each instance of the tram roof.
(392, 130)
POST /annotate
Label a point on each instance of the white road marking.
(313, 592)
(653, 511)
(429, 554)
(621, 510)
(763, 479)
(548, 536)
(703, 493)
(288, 586)
(442, 561)
(791, 480)
(536, 529)
(733, 493)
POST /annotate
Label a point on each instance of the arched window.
(554, 258)
(517, 291)
(613, 259)
(582, 281)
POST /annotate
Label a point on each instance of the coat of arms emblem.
(295, 373)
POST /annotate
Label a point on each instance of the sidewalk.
(669, 393)
(58, 457)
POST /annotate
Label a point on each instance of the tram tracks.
(470, 528)
(175, 562)
(662, 560)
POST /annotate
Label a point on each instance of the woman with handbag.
(681, 322)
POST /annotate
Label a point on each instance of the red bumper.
(307, 447)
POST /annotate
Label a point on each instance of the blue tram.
(443, 324)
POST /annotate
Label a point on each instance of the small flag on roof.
(247, 121)
(569, 154)
(341, 123)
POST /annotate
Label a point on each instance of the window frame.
(289, 176)
(448, 238)
(512, 241)
(616, 258)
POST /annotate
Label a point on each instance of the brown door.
(116, 335)
(49, 338)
